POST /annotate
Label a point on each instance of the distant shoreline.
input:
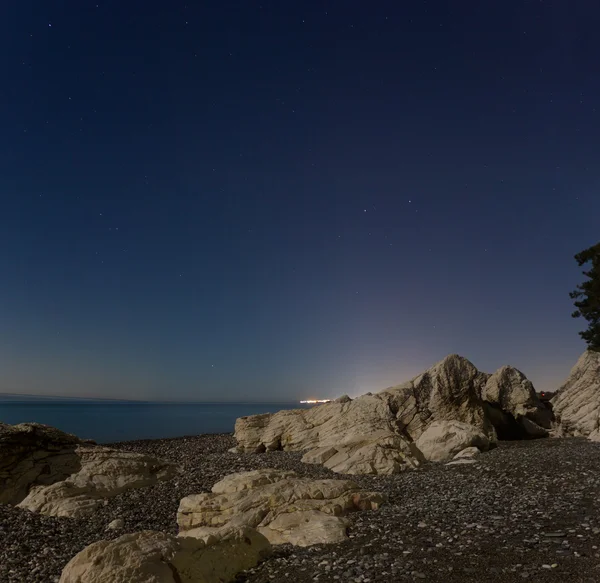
(6, 398)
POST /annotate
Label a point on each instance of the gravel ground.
(527, 511)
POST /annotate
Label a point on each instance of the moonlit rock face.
(443, 440)
(577, 403)
(282, 506)
(352, 437)
(45, 470)
(517, 406)
(380, 433)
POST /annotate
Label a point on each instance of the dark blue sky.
(272, 200)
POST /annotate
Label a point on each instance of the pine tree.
(587, 296)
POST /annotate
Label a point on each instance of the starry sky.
(243, 200)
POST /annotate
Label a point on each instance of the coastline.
(451, 524)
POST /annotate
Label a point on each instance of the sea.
(111, 421)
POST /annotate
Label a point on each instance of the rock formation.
(576, 405)
(514, 407)
(280, 505)
(156, 557)
(45, 470)
(448, 391)
(353, 437)
(379, 433)
(443, 440)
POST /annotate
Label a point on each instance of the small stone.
(558, 534)
(116, 524)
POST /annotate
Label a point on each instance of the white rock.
(250, 480)
(515, 409)
(462, 462)
(444, 439)
(467, 453)
(116, 524)
(45, 470)
(374, 434)
(448, 391)
(576, 405)
(279, 504)
(305, 528)
(156, 557)
(350, 437)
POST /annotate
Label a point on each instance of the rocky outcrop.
(576, 405)
(33, 454)
(513, 406)
(374, 434)
(359, 436)
(379, 433)
(449, 391)
(156, 557)
(280, 505)
(443, 440)
(45, 470)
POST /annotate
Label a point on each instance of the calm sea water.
(107, 422)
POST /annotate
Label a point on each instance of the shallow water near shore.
(107, 422)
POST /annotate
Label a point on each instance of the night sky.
(275, 200)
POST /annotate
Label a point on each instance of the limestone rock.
(279, 504)
(319, 455)
(305, 528)
(45, 470)
(156, 557)
(576, 405)
(514, 407)
(379, 453)
(34, 454)
(462, 462)
(442, 440)
(104, 473)
(374, 434)
(353, 437)
(250, 480)
(116, 524)
(448, 391)
(467, 453)
(380, 433)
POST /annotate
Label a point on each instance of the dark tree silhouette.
(587, 297)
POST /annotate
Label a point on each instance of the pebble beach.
(526, 511)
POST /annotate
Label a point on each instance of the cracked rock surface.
(281, 505)
(45, 470)
(577, 403)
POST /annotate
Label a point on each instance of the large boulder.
(443, 440)
(576, 404)
(359, 436)
(156, 557)
(45, 470)
(448, 391)
(280, 505)
(513, 406)
(32, 454)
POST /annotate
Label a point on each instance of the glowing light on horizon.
(315, 401)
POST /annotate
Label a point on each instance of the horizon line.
(132, 400)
